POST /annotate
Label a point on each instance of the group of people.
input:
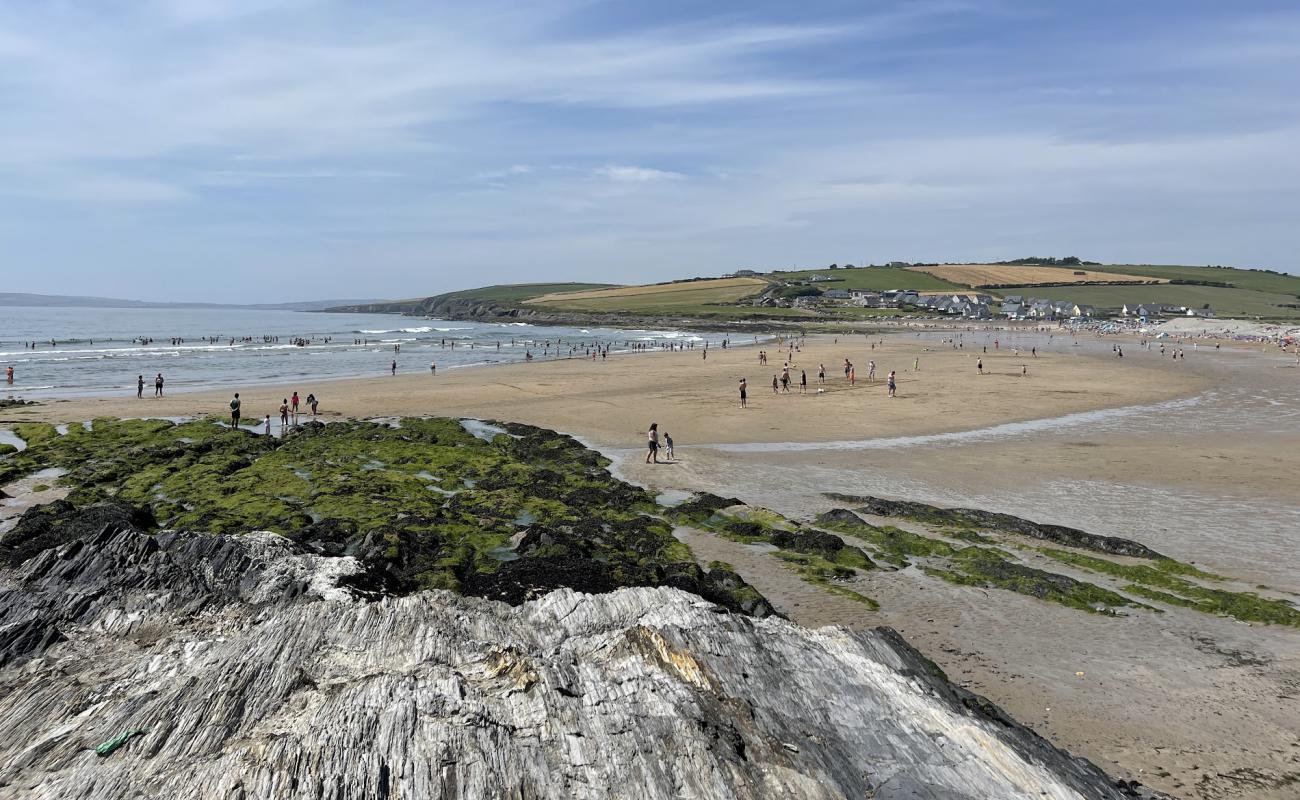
(157, 386)
(781, 383)
(288, 411)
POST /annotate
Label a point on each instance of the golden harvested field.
(720, 290)
(1003, 274)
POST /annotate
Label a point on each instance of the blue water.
(94, 352)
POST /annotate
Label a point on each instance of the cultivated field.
(662, 296)
(1023, 275)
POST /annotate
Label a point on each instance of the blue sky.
(294, 149)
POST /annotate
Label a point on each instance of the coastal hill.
(1230, 292)
(24, 299)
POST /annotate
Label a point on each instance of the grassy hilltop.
(1229, 291)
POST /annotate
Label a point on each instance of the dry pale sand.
(612, 402)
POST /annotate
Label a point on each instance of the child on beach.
(284, 413)
(294, 401)
(312, 401)
(775, 390)
(234, 411)
(668, 447)
(268, 424)
(871, 372)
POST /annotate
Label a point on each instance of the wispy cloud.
(627, 174)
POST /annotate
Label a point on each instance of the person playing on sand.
(268, 425)
(893, 386)
(158, 385)
(652, 443)
(775, 385)
(668, 447)
(139, 387)
(744, 394)
(312, 401)
(234, 411)
(284, 413)
(979, 365)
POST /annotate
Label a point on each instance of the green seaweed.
(826, 574)
(368, 489)
(1161, 581)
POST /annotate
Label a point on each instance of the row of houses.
(1150, 310)
(1018, 307)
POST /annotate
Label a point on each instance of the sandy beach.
(1174, 454)
(611, 402)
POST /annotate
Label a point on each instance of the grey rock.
(254, 675)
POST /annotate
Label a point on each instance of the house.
(900, 264)
(977, 311)
(1149, 310)
(1014, 298)
(866, 299)
(1012, 310)
(1081, 310)
(1200, 312)
(744, 273)
(835, 294)
(819, 278)
(1130, 309)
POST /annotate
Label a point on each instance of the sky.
(274, 150)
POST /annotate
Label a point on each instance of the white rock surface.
(251, 684)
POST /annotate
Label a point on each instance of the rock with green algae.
(424, 503)
(258, 672)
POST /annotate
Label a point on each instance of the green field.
(518, 292)
(1239, 278)
(872, 279)
(1225, 302)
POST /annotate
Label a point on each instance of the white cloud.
(627, 174)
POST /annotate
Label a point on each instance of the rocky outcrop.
(973, 517)
(252, 674)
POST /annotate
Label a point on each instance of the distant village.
(968, 305)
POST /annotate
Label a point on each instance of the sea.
(102, 351)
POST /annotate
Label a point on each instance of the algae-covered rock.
(420, 503)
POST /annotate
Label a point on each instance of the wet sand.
(1196, 458)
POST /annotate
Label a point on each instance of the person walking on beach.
(668, 447)
(785, 380)
(394, 366)
(803, 382)
(139, 387)
(893, 386)
(821, 373)
(652, 443)
(158, 385)
(284, 413)
(234, 411)
(743, 394)
(775, 390)
(979, 365)
(871, 372)
(294, 401)
(312, 401)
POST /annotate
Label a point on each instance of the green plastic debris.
(107, 748)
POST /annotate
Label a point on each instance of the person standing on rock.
(652, 443)
(234, 411)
